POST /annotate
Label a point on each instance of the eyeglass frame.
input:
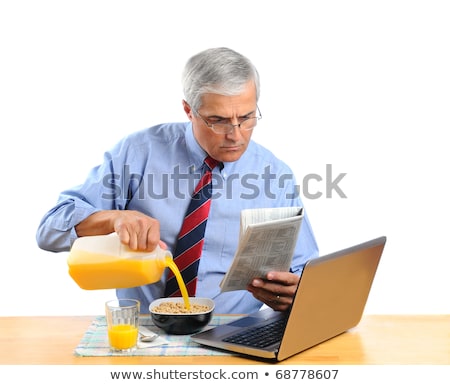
(232, 126)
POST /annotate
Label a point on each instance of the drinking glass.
(122, 317)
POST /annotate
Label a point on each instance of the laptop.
(330, 299)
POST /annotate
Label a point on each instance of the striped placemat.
(95, 341)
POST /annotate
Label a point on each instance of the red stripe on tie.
(183, 262)
(195, 218)
(204, 180)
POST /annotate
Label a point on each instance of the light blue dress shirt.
(154, 171)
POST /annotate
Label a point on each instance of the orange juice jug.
(103, 262)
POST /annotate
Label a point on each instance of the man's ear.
(187, 109)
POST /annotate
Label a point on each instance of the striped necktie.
(190, 239)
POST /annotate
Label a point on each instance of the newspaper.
(266, 243)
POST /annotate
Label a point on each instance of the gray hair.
(219, 71)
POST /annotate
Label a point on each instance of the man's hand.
(276, 290)
(135, 229)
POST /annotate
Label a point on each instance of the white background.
(361, 85)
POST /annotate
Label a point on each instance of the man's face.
(225, 109)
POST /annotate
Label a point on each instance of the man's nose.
(235, 132)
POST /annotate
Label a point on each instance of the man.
(143, 188)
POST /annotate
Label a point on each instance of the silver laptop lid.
(331, 296)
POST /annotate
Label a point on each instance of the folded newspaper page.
(266, 243)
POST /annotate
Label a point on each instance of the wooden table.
(378, 339)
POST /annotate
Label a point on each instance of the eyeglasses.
(245, 124)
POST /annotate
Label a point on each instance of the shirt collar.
(196, 153)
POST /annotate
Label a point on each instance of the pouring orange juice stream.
(169, 262)
(102, 262)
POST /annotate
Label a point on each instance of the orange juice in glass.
(122, 318)
(122, 337)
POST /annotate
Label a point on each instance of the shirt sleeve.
(306, 247)
(56, 231)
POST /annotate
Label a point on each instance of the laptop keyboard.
(259, 336)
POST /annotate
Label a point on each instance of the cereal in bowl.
(179, 308)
